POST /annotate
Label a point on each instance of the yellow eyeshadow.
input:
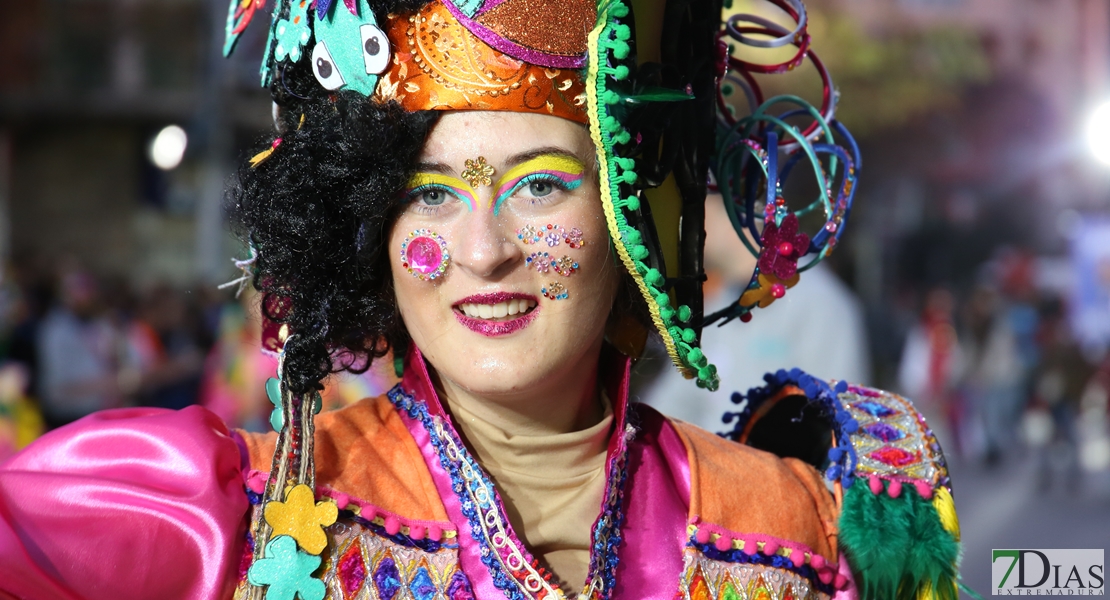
(547, 162)
(458, 187)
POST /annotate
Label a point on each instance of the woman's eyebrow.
(434, 168)
(522, 157)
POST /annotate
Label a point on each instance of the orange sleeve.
(365, 450)
(750, 491)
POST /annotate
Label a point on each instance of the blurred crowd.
(999, 372)
(73, 343)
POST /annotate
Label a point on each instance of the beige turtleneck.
(552, 486)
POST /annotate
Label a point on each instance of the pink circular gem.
(778, 290)
(424, 255)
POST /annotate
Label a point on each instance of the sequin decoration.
(704, 578)
(424, 254)
(884, 432)
(478, 172)
(555, 291)
(893, 441)
(895, 457)
(874, 409)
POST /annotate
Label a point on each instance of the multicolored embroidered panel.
(706, 579)
(361, 565)
(364, 562)
(893, 441)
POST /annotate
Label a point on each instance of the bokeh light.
(1098, 133)
(168, 147)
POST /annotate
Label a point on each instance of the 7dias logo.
(1047, 573)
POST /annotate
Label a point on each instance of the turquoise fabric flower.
(273, 392)
(277, 417)
(293, 33)
(287, 571)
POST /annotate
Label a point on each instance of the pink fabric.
(417, 382)
(129, 503)
(657, 501)
(844, 575)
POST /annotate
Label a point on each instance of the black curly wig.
(318, 212)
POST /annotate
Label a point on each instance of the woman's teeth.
(497, 311)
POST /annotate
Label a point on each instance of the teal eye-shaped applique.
(351, 50)
(293, 33)
(287, 572)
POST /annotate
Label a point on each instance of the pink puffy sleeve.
(130, 503)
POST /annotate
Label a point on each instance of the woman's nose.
(485, 248)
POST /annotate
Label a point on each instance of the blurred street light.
(1098, 133)
(168, 147)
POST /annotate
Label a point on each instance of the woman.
(468, 186)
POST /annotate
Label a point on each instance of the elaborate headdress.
(652, 81)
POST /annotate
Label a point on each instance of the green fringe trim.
(897, 547)
(608, 47)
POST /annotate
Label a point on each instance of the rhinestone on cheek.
(555, 291)
(424, 254)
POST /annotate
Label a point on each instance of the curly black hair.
(318, 212)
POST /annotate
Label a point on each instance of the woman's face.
(530, 280)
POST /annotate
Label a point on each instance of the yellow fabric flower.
(762, 294)
(302, 519)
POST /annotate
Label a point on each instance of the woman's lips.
(496, 314)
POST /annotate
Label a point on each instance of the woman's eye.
(433, 197)
(540, 188)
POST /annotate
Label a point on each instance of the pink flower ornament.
(783, 245)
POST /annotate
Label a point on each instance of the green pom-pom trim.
(608, 45)
(684, 313)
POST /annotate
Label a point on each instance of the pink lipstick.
(496, 314)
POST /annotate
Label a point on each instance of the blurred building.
(85, 87)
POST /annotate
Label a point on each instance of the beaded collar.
(511, 567)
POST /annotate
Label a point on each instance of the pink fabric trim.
(845, 583)
(826, 570)
(129, 503)
(256, 481)
(513, 49)
(657, 499)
